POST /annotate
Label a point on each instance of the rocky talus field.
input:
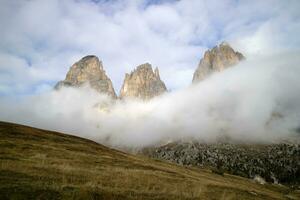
(277, 163)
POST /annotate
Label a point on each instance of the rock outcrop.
(143, 83)
(88, 70)
(277, 162)
(216, 60)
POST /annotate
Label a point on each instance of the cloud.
(49, 36)
(256, 101)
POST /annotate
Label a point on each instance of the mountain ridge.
(144, 82)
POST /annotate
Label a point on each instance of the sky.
(256, 100)
(41, 39)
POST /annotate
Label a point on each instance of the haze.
(255, 101)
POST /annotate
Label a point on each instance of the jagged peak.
(217, 59)
(88, 69)
(82, 63)
(87, 57)
(144, 66)
(143, 83)
(224, 43)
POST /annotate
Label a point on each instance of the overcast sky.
(41, 39)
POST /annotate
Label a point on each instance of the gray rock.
(215, 60)
(143, 83)
(88, 70)
(276, 163)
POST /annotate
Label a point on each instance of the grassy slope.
(41, 164)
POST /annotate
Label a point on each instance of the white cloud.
(241, 103)
(49, 36)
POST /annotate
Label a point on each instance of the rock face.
(88, 70)
(143, 83)
(216, 60)
(277, 163)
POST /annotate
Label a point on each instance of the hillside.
(275, 162)
(40, 164)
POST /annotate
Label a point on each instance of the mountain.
(216, 60)
(40, 164)
(143, 83)
(88, 70)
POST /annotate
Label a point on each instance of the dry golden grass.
(39, 164)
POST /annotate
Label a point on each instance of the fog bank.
(257, 101)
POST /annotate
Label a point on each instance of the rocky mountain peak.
(215, 60)
(89, 70)
(143, 83)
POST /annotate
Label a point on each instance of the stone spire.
(216, 60)
(143, 83)
(88, 70)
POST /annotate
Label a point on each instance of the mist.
(256, 101)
